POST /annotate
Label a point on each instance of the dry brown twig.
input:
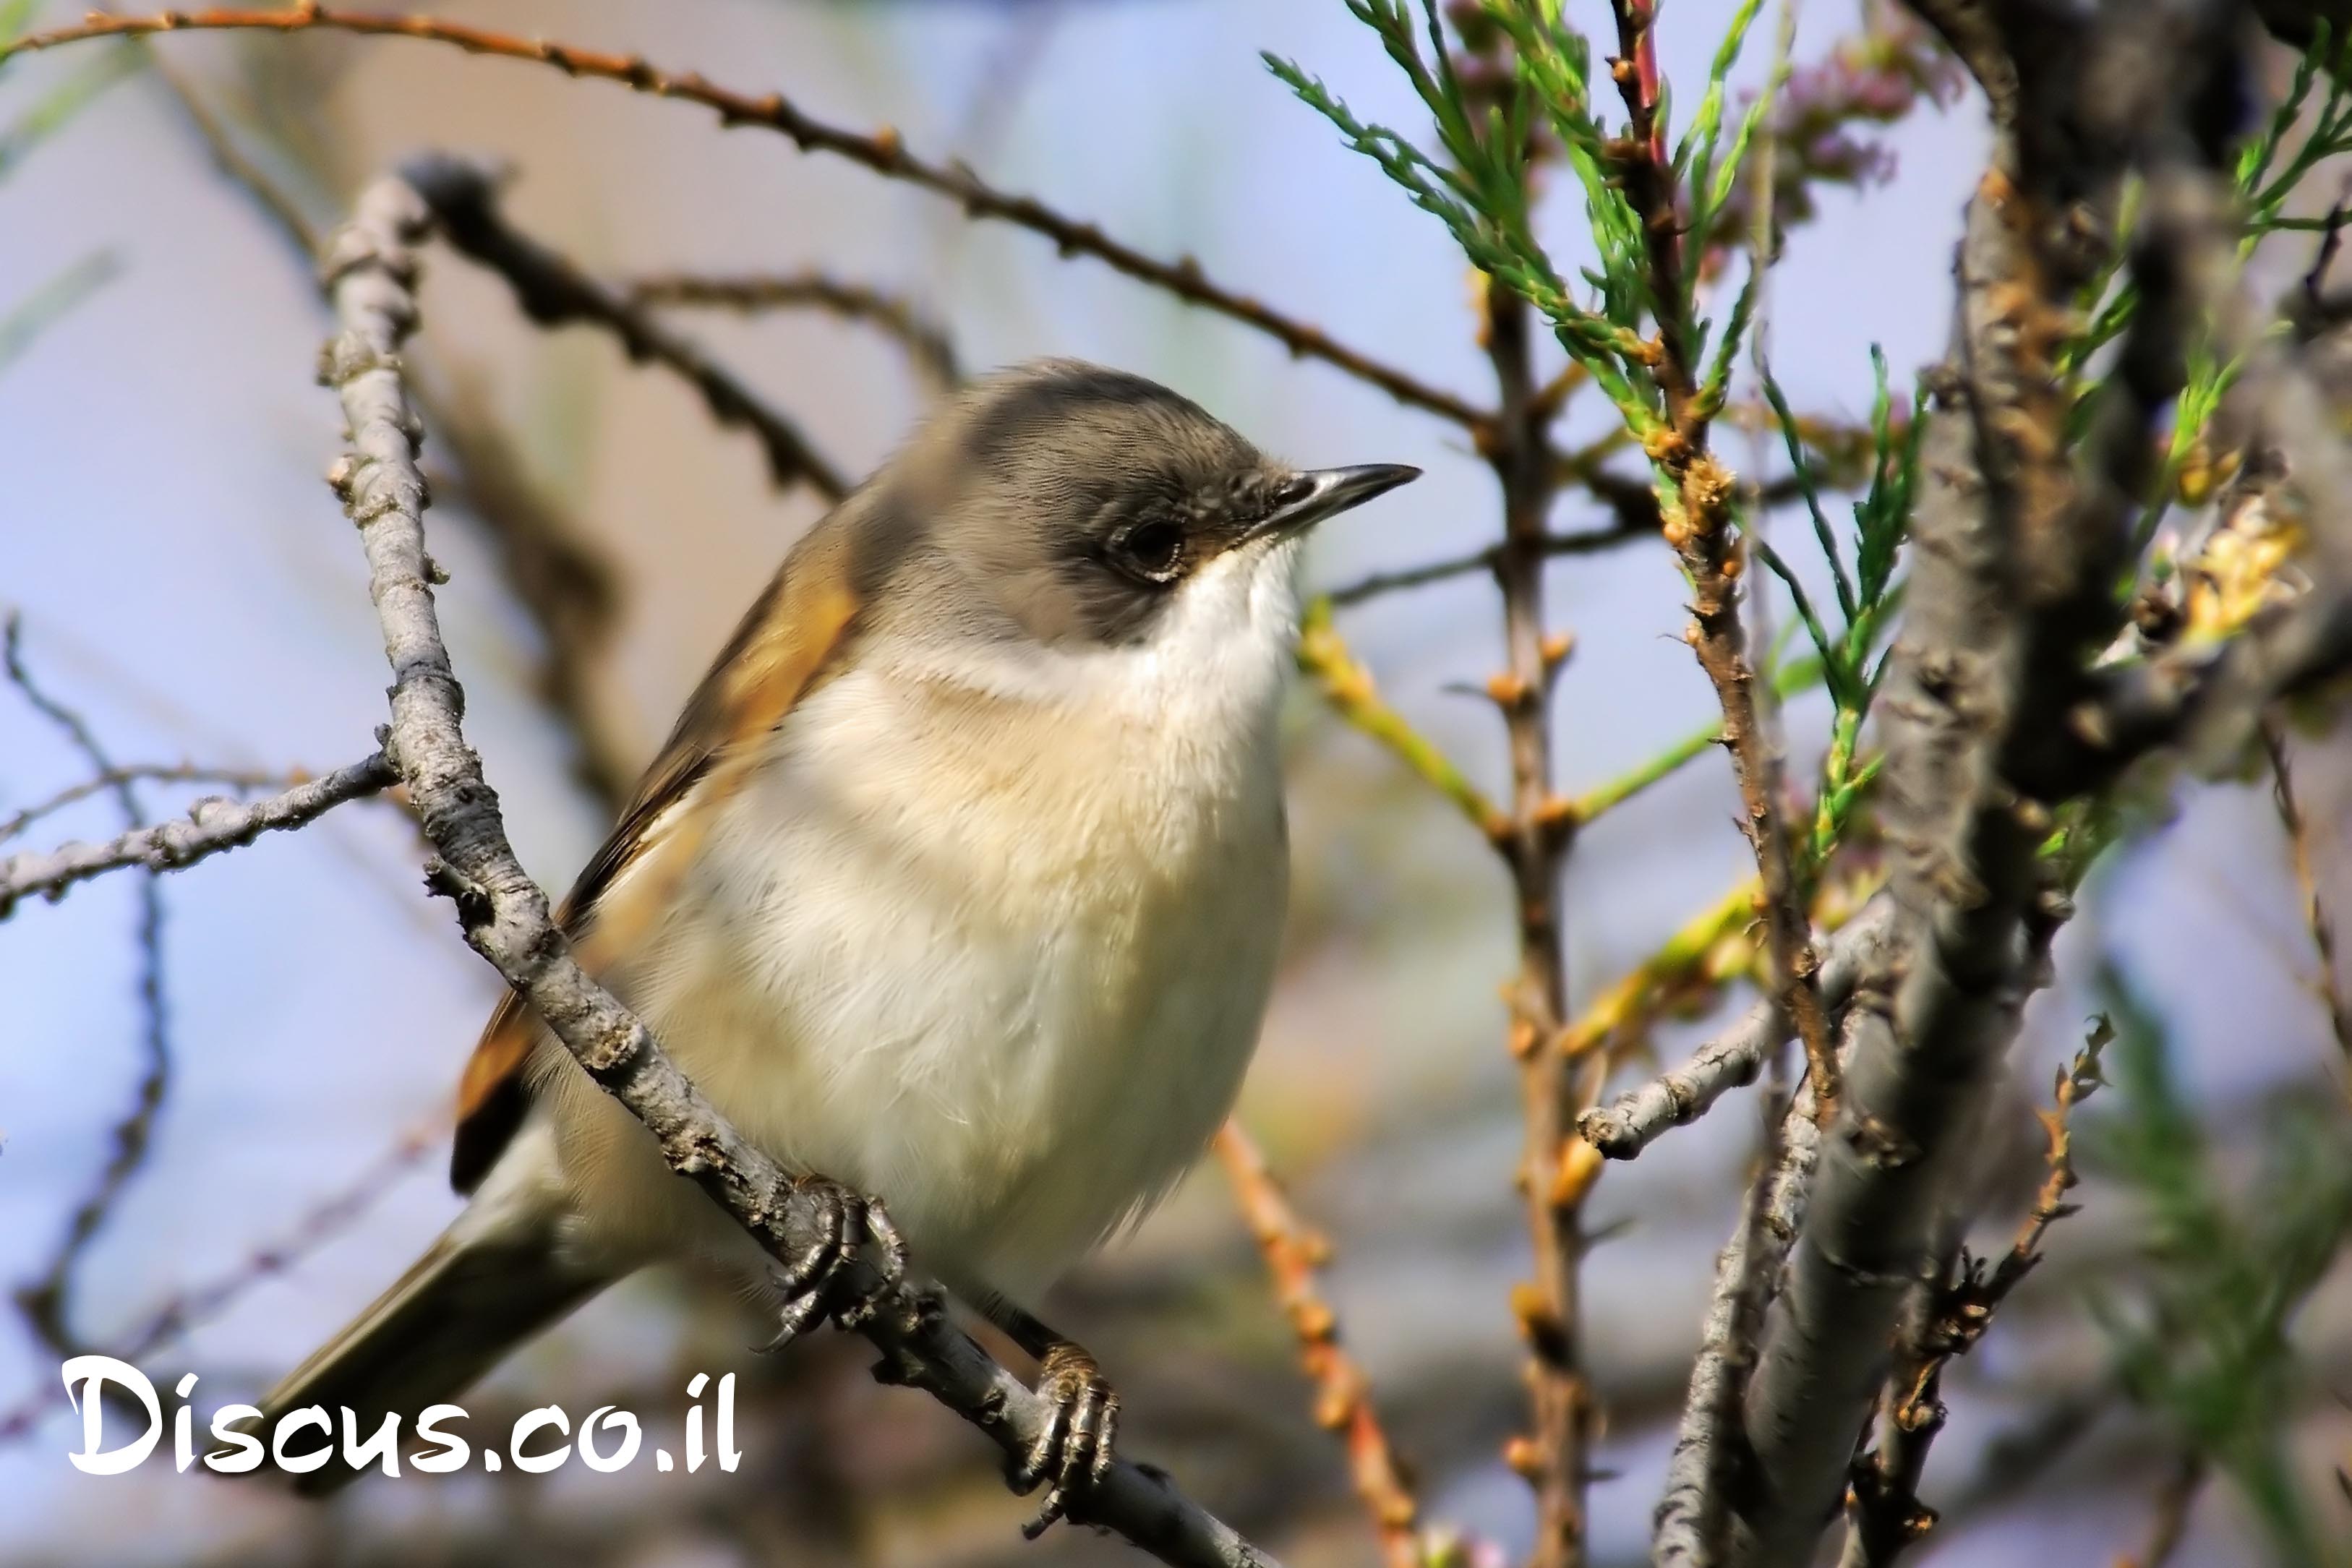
(928, 345)
(552, 291)
(882, 151)
(1343, 1396)
(1697, 500)
(48, 1303)
(2316, 916)
(1883, 1513)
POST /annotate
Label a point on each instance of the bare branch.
(552, 291)
(506, 917)
(2316, 917)
(1709, 1459)
(883, 151)
(48, 1303)
(211, 826)
(1883, 1514)
(193, 1307)
(926, 341)
(245, 780)
(1733, 1058)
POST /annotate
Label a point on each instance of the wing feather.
(793, 640)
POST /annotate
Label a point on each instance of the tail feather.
(460, 1309)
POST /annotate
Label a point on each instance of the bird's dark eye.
(1150, 550)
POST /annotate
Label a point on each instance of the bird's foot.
(848, 1220)
(1074, 1453)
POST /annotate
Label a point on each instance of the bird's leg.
(847, 1221)
(1074, 1450)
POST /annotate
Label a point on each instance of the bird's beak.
(1330, 491)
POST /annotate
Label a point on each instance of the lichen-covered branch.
(370, 269)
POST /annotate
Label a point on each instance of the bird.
(957, 888)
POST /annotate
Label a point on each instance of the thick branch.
(370, 270)
(212, 825)
(2019, 542)
(882, 151)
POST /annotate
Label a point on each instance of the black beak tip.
(1347, 488)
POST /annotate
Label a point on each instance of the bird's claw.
(848, 1220)
(1075, 1451)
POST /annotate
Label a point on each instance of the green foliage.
(1851, 661)
(2204, 1340)
(1477, 182)
(2266, 175)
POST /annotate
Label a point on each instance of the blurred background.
(188, 586)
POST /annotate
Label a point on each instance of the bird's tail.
(461, 1308)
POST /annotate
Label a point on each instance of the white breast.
(990, 935)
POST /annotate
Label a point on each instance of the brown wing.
(792, 638)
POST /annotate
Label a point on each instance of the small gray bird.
(959, 882)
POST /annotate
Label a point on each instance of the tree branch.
(211, 826)
(883, 153)
(552, 291)
(504, 916)
(1733, 1058)
(2019, 542)
(926, 341)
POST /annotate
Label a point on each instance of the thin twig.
(926, 341)
(1555, 1172)
(48, 1301)
(1343, 1396)
(173, 1317)
(552, 291)
(2176, 1498)
(882, 151)
(1592, 541)
(242, 779)
(506, 916)
(1883, 1513)
(1638, 1118)
(211, 826)
(2316, 916)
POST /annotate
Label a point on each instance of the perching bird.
(958, 883)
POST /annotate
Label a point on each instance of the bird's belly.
(1016, 1015)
